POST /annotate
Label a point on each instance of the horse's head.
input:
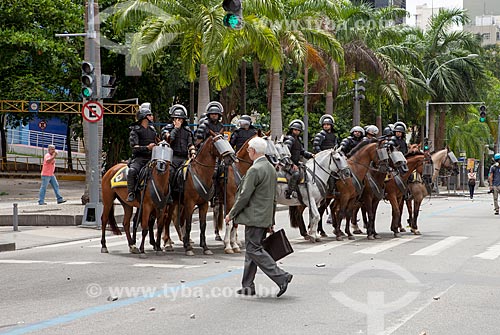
(398, 160)
(371, 153)
(337, 164)
(451, 162)
(413, 148)
(161, 156)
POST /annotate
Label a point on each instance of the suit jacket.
(256, 196)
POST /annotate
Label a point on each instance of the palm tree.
(453, 81)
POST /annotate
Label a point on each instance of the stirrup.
(131, 197)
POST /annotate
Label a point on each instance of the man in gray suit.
(255, 207)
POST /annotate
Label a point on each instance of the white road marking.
(325, 247)
(169, 266)
(491, 253)
(392, 329)
(112, 244)
(65, 244)
(386, 245)
(28, 261)
(438, 247)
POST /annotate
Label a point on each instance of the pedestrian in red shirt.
(48, 177)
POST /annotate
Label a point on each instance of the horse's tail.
(112, 222)
(295, 216)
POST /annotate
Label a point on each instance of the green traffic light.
(232, 21)
(87, 92)
(482, 119)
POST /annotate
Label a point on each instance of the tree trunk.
(329, 103)
(432, 127)
(441, 131)
(378, 119)
(276, 121)
(204, 90)
(191, 102)
(269, 92)
(3, 140)
(243, 88)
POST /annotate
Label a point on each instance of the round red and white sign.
(92, 111)
(42, 124)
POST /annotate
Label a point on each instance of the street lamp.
(428, 82)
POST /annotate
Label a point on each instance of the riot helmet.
(357, 128)
(214, 107)
(297, 124)
(178, 111)
(144, 111)
(400, 126)
(372, 130)
(388, 131)
(326, 119)
(244, 120)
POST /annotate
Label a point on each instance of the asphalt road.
(445, 281)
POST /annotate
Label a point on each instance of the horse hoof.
(352, 238)
(133, 250)
(339, 238)
(104, 250)
(358, 232)
(208, 252)
(228, 251)
(323, 234)
(237, 250)
(307, 237)
(370, 237)
(416, 232)
(169, 248)
(397, 235)
(218, 238)
(189, 253)
(402, 230)
(377, 236)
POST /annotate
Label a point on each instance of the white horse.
(317, 172)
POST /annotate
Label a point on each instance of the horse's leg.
(354, 222)
(367, 210)
(107, 212)
(151, 226)
(227, 239)
(396, 215)
(321, 209)
(373, 217)
(202, 212)
(314, 217)
(146, 216)
(350, 216)
(187, 216)
(234, 239)
(401, 203)
(160, 226)
(416, 210)
(167, 218)
(127, 215)
(335, 210)
(135, 225)
(218, 212)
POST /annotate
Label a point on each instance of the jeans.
(43, 189)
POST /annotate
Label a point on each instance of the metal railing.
(40, 139)
(34, 164)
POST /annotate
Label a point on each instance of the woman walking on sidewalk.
(472, 182)
(48, 169)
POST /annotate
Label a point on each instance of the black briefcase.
(277, 245)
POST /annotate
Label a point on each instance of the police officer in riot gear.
(245, 131)
(325, 139)
(389, 130)
(399, 140)
(142, 139)
(352, 141)
(214, 112)
(294, 143)
(371, 131)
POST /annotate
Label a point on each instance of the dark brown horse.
(417, 188)
(153, 198)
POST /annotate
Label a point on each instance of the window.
(486, 36)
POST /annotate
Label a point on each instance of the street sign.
(42, 124)
(92, 111)
(34, 106)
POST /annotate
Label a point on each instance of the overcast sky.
(412, 4)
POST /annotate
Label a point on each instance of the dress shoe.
(246, 291)
(284, 286)
(61, 202)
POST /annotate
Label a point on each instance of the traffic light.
(482, 113)
(359, 89)
(107, 86)
(426, 144)
(234, 14)
(88, 81)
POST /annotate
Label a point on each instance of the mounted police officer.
(352, 141)
(371, 131)
(214, 112)
(294, 143)
(399, 138)
(142, 140)
(245, 131)
(388, 131)
(179, 135)
(325, 139)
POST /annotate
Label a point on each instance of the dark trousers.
(256, 256)
(471, 190)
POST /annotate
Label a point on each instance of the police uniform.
(240, 136)
(324, 140)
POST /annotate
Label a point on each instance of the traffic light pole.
(93, 209)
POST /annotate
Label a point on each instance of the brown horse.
(198, 190)
(153, 198)
(440, 159)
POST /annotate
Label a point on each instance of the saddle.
(283, 177)
(119, 179)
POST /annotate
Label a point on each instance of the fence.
(40, 139)
(34, 164)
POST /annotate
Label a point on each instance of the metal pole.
(427, 119)
(15, 218)
(356, 114)
(498, 135)
(305, 135)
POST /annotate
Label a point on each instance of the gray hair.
(258, 144)
(51, 146)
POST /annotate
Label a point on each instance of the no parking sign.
(92, 111)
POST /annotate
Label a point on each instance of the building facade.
(485, 20)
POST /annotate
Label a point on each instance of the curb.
(7, 246)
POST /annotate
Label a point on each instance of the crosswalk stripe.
(325, 247)
(491, 253)
(386, 245)
(169, 266)
(438, 247)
